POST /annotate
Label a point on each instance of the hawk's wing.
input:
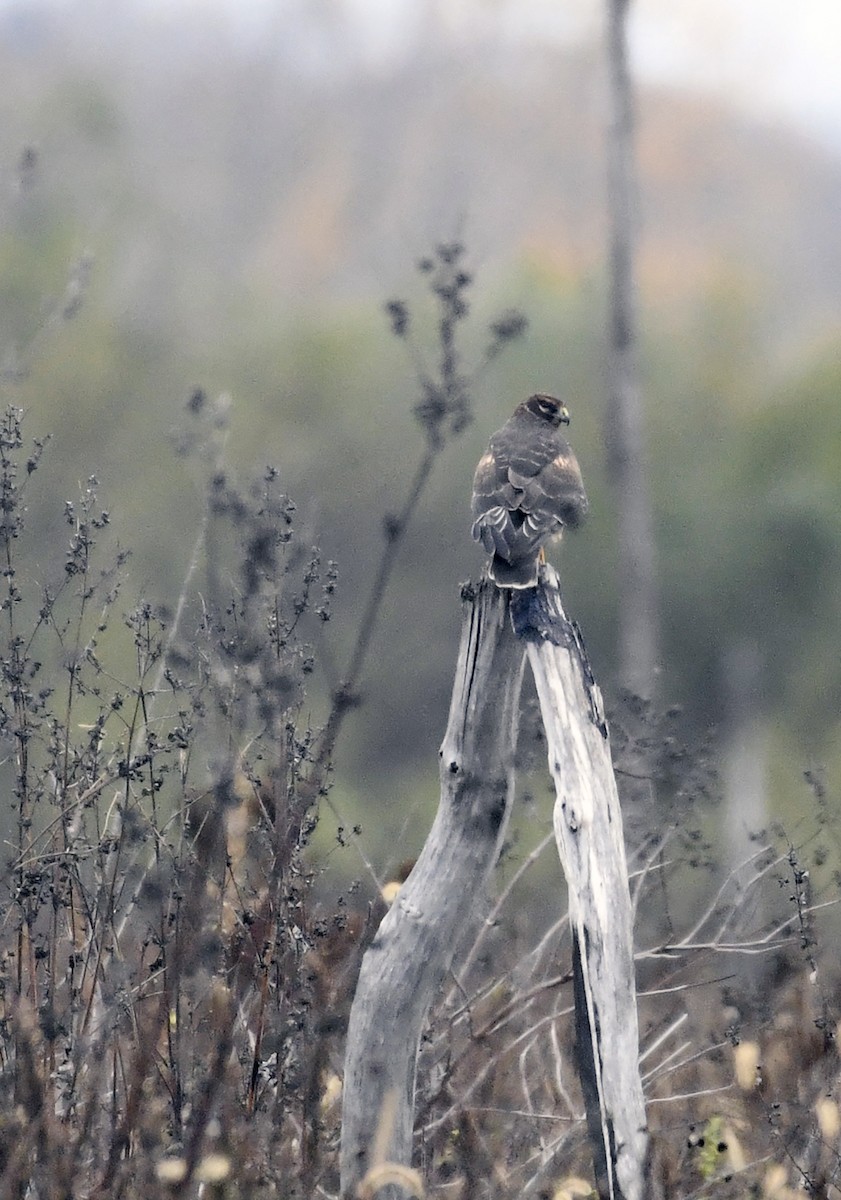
(555, 491)
(525, 493)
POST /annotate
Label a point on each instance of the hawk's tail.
(519, 574)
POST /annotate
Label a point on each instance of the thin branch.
(491, 919)
(664, 1036)
(659, 1072)
(345, 696)
(680, 1096)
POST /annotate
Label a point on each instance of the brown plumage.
(527, 489)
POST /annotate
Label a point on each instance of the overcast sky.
(781, 58)
(777, 58)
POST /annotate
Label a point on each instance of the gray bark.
(416, 941)
(588, 832)
(624, 432)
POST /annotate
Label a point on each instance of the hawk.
(527, 489)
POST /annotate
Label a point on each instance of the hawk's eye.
(547, 407)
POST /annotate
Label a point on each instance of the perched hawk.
(526, 490)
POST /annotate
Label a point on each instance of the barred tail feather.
(520, 574)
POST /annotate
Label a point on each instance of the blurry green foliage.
(744, 452)
(746, 498)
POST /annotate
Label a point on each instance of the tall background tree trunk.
(745, 785)
(624, 433)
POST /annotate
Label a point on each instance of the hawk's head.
(547, 408)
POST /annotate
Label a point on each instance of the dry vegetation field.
(174, 988)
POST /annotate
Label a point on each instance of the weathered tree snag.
(417, 939)
(588, 831)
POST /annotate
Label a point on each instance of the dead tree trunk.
(588, 832)
(416, 941)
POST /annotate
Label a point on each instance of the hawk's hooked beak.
(563, 415)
